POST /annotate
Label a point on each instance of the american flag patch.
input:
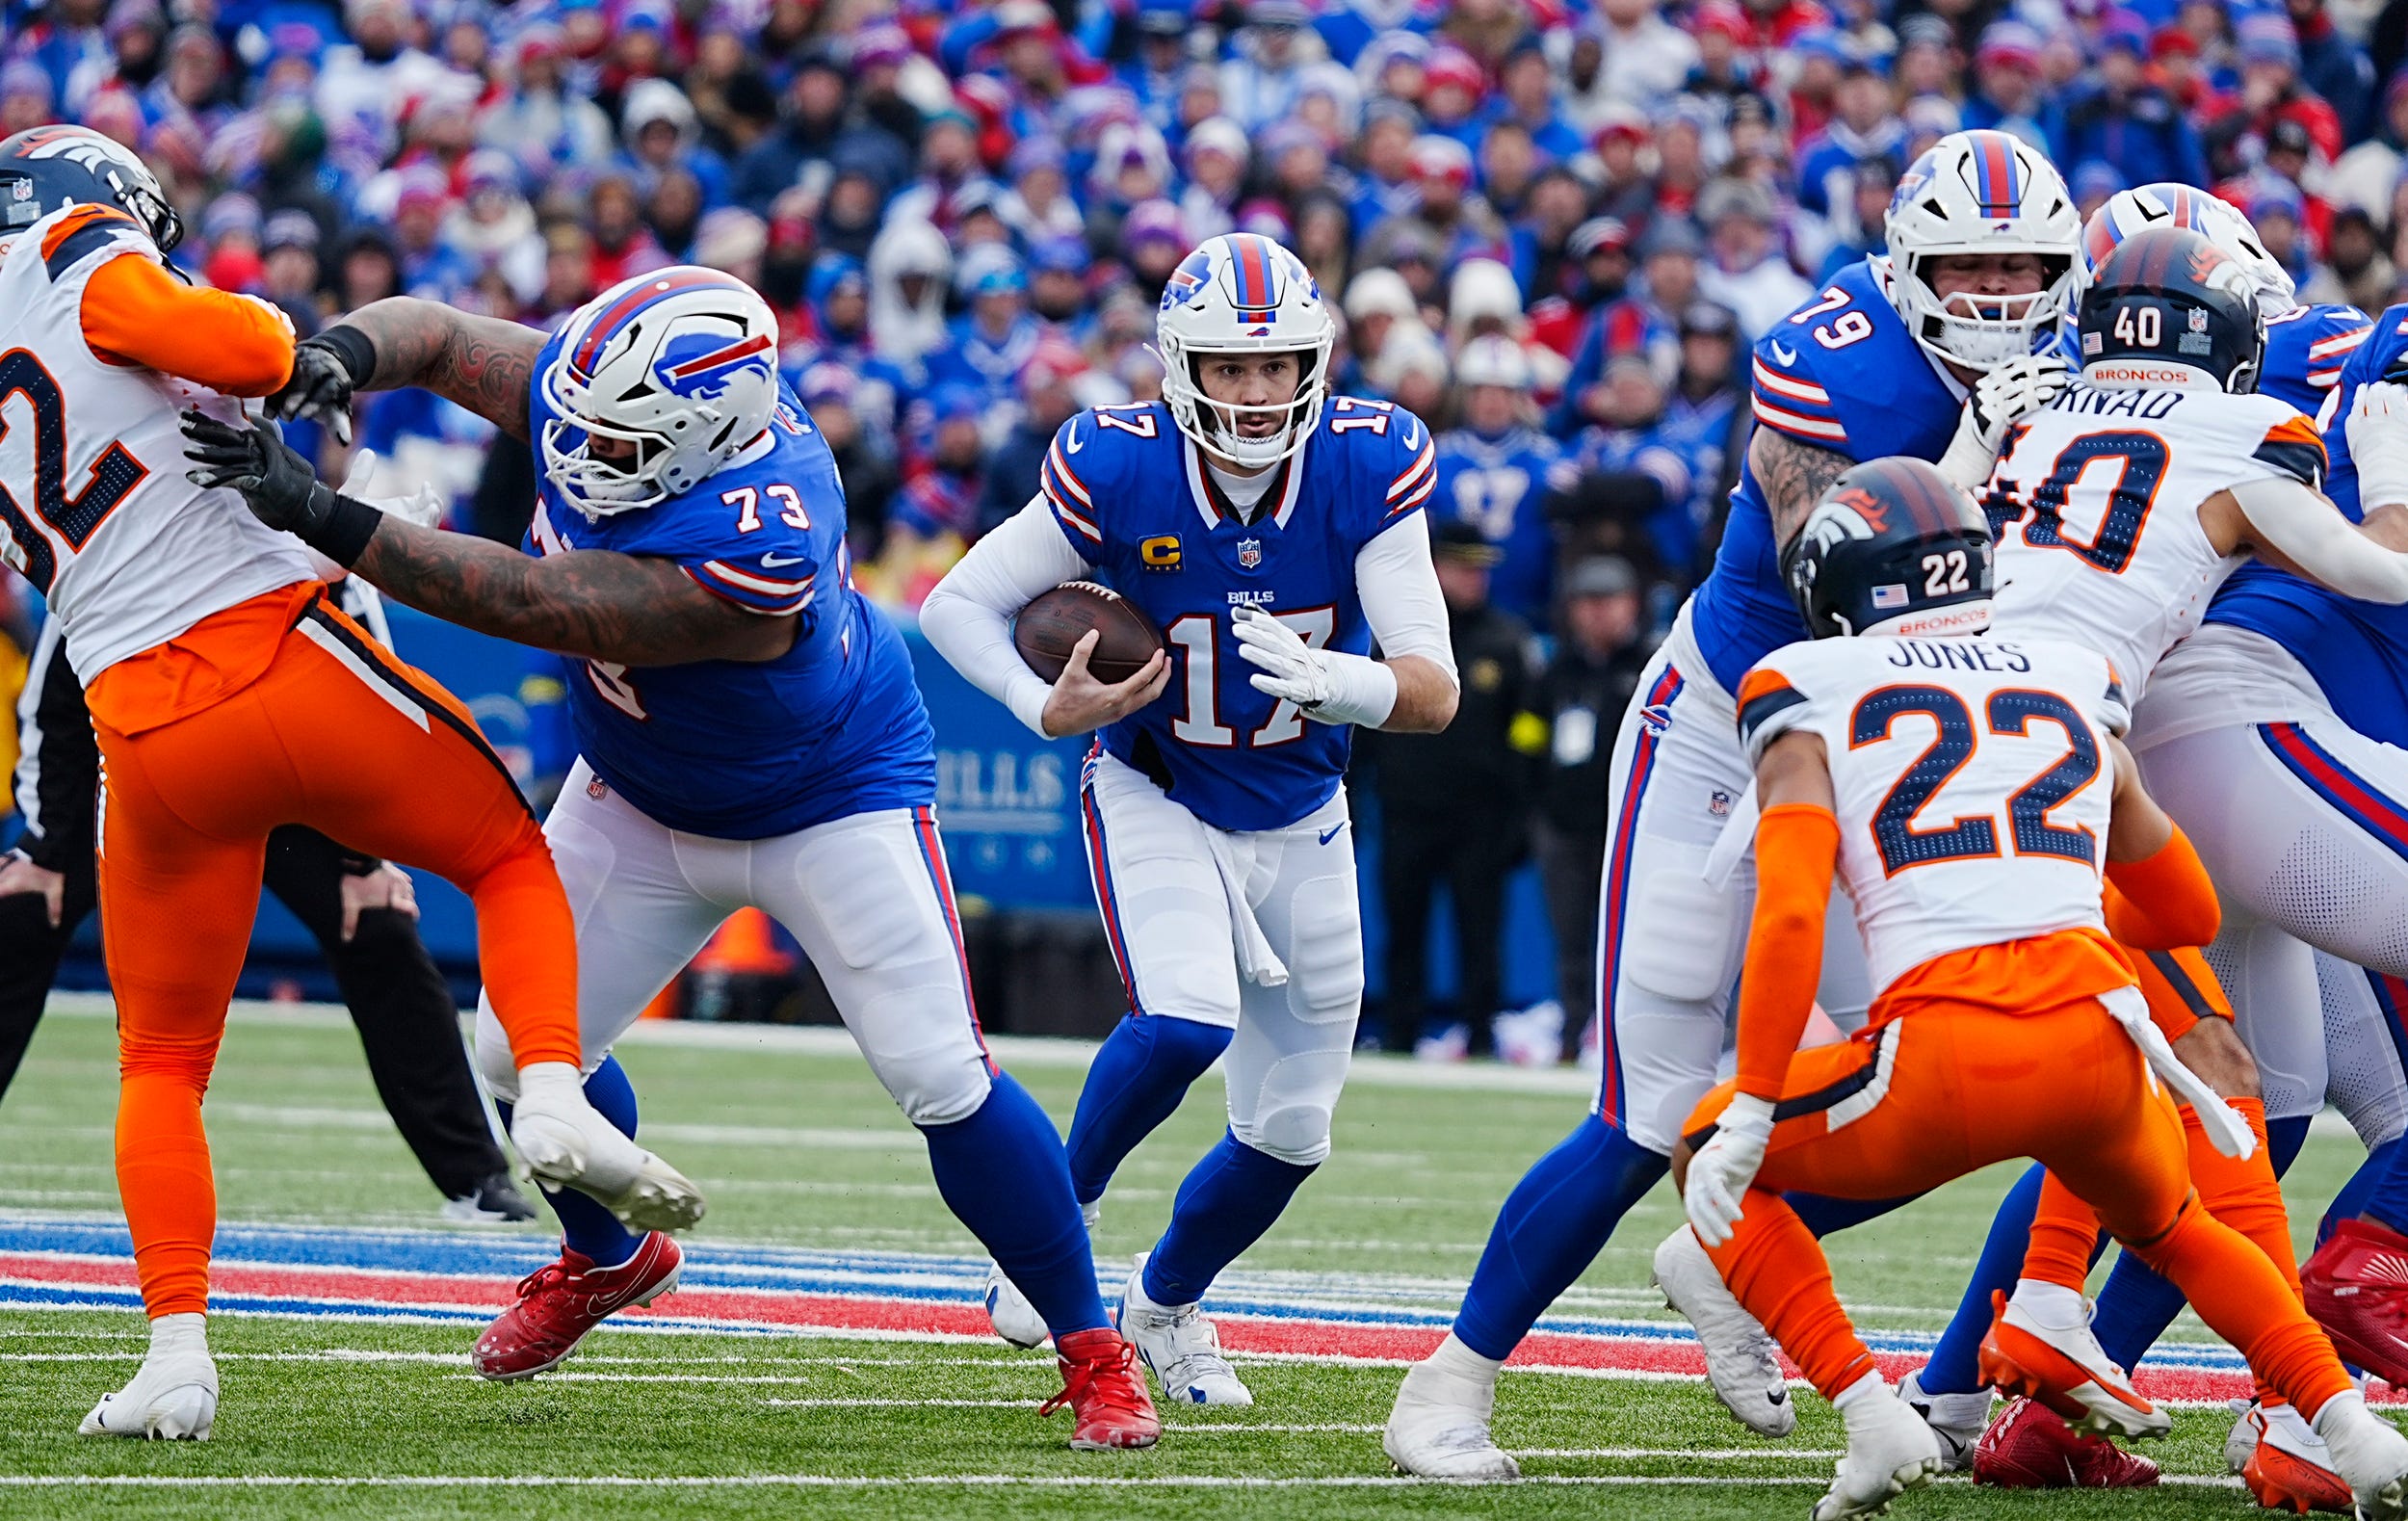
(1892, 595)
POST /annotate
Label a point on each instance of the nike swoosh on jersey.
(1410, 440)
(1332, 832)
(1074, 446)
(1785, 355)
(773, 561)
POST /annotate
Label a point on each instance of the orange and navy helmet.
(44, 170)
(1893, 547)
(2167, 307)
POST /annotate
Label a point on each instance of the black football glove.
(277, 484)
(326, 370)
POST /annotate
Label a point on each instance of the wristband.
(1364, 690)
(340, 526)
(354, 348)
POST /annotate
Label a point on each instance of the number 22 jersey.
(1135, 499)
(1968, 778)
(752, 750)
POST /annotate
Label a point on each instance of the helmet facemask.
(1983, 331)
(1216, 425)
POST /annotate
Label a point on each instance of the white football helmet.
(1241, 293)
(1982, 192)
(681, 363)
(2219, 220)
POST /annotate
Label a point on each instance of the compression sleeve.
(1797, 848)
(134, 311)
(1398, 587)
(968, 615)
(2311, 533)
(2164, 901)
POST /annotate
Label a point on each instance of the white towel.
(2226, 1130)
(1257, 961)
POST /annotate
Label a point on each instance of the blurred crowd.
(1552, 226)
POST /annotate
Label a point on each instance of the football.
(1049, 627)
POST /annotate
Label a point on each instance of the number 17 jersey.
(2095, 505)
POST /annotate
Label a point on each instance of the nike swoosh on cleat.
(1332, 832)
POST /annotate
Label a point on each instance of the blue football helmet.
(44, 170)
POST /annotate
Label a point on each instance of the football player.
(230, 698)
(1931, 351)
(748, 735)
(1493, 473)
(1273, 530)
(1950, 779)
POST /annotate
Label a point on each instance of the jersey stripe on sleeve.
(2327, 356)
(1763, 694)
(86, 230)
(1067, 496)
(2293, 447)
(1795, 406)
(1413, 488)
(752, 589)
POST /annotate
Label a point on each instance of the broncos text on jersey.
(1135, 498)
(750, 750)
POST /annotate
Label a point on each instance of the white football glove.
(423, 507)
(1285, 666)
(1726, 1166)
(2378, 443)
(2001, 399)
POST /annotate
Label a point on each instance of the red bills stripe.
(606, 326)
(727, 355)
(1100, 867)
(1609, 1094)
(2370, 809)
(1994, 164)
(933, 857)
(1255, 291)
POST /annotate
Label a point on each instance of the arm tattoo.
(1793, 477)
(483, 363)
(625, 609)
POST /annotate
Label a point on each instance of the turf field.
(819, 1361)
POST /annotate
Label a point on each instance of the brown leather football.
(1049, 627)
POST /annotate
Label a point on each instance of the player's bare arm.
(1426, 696)
(2294, 527)
(483, 363)
(1794, 476)
(627, 609)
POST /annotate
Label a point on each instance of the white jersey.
(2096, 506)
(1970, 778)
(95, 509)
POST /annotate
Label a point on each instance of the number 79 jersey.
(1970, 779)
(1135, 500)
(2095, 504)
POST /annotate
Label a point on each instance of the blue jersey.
(2305, 350)
(2357, 651)
(1842, 372)
(746, 750)
(1498, 485)
(1135, 499)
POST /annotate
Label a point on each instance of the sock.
(2050, 1304)
(1823, 1215)
(1777, 1272)
(1003, 1175)
(1872, 1387)
(2137, 1305)
(2066, 1240)
(1953, 1365)
(2244, 1298)
(585, 1226)
(2387, 1203)
(185, 1331)
(1227, 1202)
(2351, 1201)
(1458, 1361)
(1553, 1226)
(1135, 1081)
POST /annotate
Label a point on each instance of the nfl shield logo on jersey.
(1249, 553)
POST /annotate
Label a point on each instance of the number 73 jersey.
(1970, 778)
(2095, 506)
(1137, 501)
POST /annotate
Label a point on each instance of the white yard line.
(914, 1481)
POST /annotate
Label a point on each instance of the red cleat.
(1106, 1392)
(559, 1304)
(2027, 1447)
(2357, 1288)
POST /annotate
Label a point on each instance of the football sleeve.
(1786, 397)
(1063, 485)
(968, 615)
(134, 312)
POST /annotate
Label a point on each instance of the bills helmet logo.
(1187, 279)
(700, 366)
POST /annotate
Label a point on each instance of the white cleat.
(2283, 1461)
(1438, 1428)
(1890, 1451)
(173, 1397)
(1957, 1420)
(2039, 1348)
(1181, 1345)
(2370, 1454)
(568, 1143)
(1740, 1361)
(1014, 1319)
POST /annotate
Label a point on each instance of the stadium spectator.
(1582, 695)
(2129, 120)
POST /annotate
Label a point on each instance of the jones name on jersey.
(740, 750)
(1969, 777)
(1137, 501)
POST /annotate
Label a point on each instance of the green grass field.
(800, 1147)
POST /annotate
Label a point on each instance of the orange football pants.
(1939, 1088)
(335, 733)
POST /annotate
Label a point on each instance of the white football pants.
(866, 896)
(1189, 909)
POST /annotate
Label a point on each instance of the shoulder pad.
(82, 232)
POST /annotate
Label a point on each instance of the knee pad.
(1292, 1108)
(1679, 945)
(930, 1064)
(872, 899)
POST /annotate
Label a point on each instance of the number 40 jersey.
(1966, 777)
(2095, 503)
